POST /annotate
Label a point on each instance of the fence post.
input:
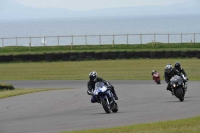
(194, 37)
(71, 45)
(168, 38)
(86, 40)
(100, 39)
(154, 37)
(58, 41)
(30, 44)
(72, 40)
(181, 38)
(127, 38)
(141, 38)
(44, 40)
(16, 41)
(2, 43)
(113, 40)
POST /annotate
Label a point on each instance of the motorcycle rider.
(91, 85)
(178, 67)
(153, 71)
(155, 76)
(169, 73)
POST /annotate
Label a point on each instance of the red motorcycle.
(156, 77)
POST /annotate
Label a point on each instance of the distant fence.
(100, 39)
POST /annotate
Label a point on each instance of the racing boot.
(172, 92)
(115, 96)
(169, 89)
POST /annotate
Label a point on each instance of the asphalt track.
(67, 110)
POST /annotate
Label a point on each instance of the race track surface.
(67, 110)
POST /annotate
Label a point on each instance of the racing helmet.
(153, 71)
(177, 65)
(168, 68)
(93, 76)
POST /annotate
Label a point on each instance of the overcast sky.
(81, 5)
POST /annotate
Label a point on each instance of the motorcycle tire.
(180, 94)
(116, 108)
(105, 105)
(158, 82)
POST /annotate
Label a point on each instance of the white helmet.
(168, 68)
(93, 76)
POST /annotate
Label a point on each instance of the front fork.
(185, 83)
(99, 99)
(185, 86)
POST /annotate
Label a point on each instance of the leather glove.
(90, 93)
(185, 79)
(109, 87)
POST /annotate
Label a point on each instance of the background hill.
(10, 9)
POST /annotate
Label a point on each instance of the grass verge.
(131, 69)
(190, 125)
(16, 92)
(14, 50)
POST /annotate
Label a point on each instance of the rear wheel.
(116, 108)
(105, 105)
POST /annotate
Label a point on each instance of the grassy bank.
(191, 125)
(132, 69)
(16, 92)
(81, 48)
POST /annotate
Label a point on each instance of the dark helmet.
(177, 65)
(168, 68)
(93, 76)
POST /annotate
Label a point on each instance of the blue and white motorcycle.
(105, 97)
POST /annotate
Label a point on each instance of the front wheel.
(180, 94)
(105, 105)
(158, 82)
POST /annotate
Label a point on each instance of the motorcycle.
(178, 87)
(156, 77)
(105, 97)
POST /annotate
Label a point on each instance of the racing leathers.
(182, 71)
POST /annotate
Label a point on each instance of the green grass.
(190, 125)
(16, 92)
(131, 69)
(97, 48)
